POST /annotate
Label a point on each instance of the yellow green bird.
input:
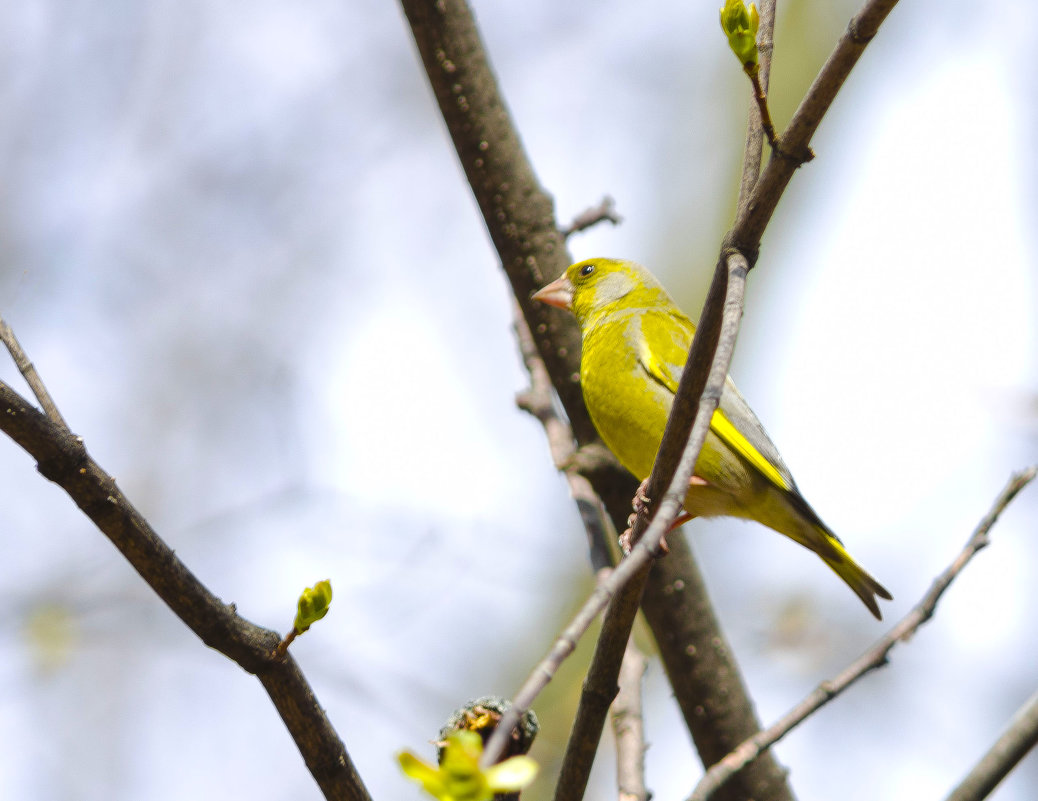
(634, 342)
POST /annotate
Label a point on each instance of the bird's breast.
(628, 408)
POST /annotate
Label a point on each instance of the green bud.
(313, 605)
(740, 26)
(459, 776)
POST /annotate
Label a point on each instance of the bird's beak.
(558, 293)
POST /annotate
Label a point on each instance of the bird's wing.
(663, 348)
(736, 424)
(663, 342)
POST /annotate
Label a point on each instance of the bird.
(634, 343)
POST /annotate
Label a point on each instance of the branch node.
(604, 211)
(798, 156)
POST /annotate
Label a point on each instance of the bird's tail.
(855, 576)
(804, 526)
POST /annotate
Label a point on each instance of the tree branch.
(873, 658)
(755, 215)
(517, 212)
(754, 148)
(605, 210)
(1019, 738)
(538, 400)
(62, 458)
(28, 371)
(629, 728)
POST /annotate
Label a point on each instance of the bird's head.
(595, 286)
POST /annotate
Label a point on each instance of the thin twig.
(873, 658)
(287, 640)
(566, 643)
(629, 727)
(605, 210)
(539, 400)
(1019, 737)
(754, 148)
(62, 458)
(28, 371)
(600, 686)
(756, 213)
(760, 97)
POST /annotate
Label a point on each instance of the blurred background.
(238, 247)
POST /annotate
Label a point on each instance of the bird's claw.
(640, 504)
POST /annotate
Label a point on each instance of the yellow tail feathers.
(854, 575)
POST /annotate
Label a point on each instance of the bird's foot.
(641, 505)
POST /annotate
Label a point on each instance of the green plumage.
(634, 345)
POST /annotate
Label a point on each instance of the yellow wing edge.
(723, 427)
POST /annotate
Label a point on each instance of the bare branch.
(606, 210)
(629, 728)
(755, 214)
(760, 97)
(518, 213)
(1019, 738)
(62, 458)
(28, 371)
(600, 686)
(545, 670)
(754, 127)
(539, 401)
(873, 658)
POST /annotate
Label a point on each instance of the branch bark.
(755, 215)
(539, 401)
(1019, 738)
(61, 457)
(629, 728)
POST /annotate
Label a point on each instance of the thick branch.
(518, 213)
(62, 458)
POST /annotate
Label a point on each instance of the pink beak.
(558, 293)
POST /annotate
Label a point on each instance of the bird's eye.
(587, 269)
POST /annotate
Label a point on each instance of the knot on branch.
(730, 247)
(798, 156)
